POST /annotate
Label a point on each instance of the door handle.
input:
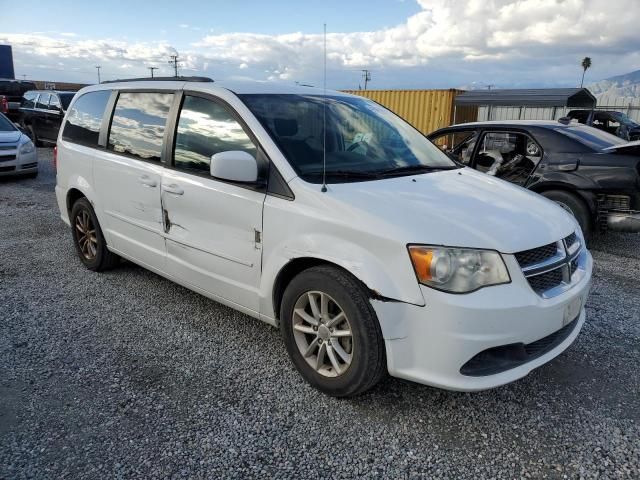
(147, 181)
(173, 189)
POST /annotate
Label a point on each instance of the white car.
(330, 217)
(18, 155)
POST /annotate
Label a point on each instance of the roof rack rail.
(161, 79)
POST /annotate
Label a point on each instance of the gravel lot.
(127, 375)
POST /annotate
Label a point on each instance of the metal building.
(525, 104)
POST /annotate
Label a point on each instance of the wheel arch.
(299, 264)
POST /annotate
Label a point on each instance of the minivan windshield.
(363, 139)
(593, 138)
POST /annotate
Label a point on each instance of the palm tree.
(586, 63)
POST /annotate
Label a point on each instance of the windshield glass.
(6, 125)
(593, 138)
(66, 98)
(363, 139)
(623, 119)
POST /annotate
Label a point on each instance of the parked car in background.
(13, 90)
(589, 172)
(41, 114)
(615, 123)
(329, 216)
(18, 155)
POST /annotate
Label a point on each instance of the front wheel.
(575, 206)
(331, 332)
(88, 238)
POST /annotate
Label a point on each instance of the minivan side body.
(285, 249)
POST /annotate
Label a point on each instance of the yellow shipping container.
(427, 110)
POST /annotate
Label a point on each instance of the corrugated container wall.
(427, 110)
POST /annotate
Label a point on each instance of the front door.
(127, 176)
(213, 227)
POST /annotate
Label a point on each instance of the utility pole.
(151, 69)
(24, 77)
(98, 67)
(174, 62)
(490, 86)
(366, 75)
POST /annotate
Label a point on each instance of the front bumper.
(431, 344)
(14, 164)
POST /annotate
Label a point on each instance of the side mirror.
(235, 166)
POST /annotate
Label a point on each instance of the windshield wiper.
(345, 173)
(415, 169)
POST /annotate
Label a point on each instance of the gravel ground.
(127, 375)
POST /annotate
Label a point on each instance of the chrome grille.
(7, 158)
(546, 281)
(536, 255)
(550, 269)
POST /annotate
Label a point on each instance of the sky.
(404, 43)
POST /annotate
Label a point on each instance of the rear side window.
(138, 124)
(43, 101)
(29, 100)
(204, 129)
(85, 118)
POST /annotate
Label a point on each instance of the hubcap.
(322, 333)
(87, 240)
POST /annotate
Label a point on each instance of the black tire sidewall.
(367, 338)
(95, 264)
(576, 205)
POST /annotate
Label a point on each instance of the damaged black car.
(587, 171)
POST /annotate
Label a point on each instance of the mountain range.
(627, 85)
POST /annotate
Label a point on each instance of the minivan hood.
(10, 137)
(462, 208)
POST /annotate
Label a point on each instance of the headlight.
(457, 270)
(26, 147)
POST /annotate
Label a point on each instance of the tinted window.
(363, 139)
(204, 129)
(43, 101)
(138, 124)
(66, 98)
(85, 118)
(29, 100)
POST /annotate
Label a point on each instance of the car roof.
(238, 87)
(51, 91)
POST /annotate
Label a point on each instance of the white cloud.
(447, 42)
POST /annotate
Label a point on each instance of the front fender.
(382, 265)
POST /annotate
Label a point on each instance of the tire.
(33, 136)
(92, 251)
(364, 347)
(574, 205)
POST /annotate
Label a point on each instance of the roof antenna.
(324, 116)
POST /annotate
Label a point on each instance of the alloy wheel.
(322, 333)
(86, 235)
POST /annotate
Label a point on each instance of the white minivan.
(329, 216)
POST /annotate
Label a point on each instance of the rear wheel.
(574, 205)
(331, 332)
(88, 238)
